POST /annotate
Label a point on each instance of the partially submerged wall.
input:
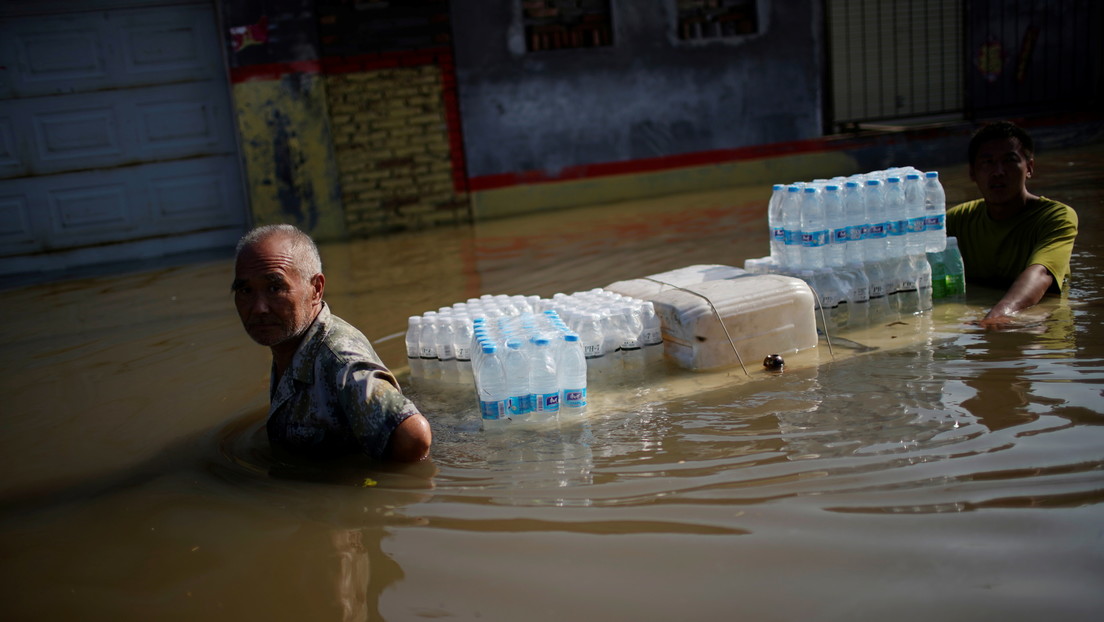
(649, 99)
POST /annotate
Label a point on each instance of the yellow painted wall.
(287, 150)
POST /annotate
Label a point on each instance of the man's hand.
(1027, 290)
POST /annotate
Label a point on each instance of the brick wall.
(396, 141)
(391, 88)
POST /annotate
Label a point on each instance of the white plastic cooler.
(763, 314)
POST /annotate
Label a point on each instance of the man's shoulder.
(967, 207)
(1055, 209)
(347, 344)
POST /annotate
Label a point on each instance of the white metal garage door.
(116, 135)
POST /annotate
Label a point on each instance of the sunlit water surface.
(958, 475)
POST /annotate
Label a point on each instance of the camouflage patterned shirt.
(336, 397)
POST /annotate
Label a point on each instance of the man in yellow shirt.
(1010, 237)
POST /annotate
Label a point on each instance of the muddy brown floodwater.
(958, 477)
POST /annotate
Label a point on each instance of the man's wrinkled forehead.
(266, 259)
(275, 278)
(273, 252)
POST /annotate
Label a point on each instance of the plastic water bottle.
(857, 225)
(462, 327)
(857, 291)
(490, 381)
(935, 209)
(923, 281)
(875, 247)
(829, 295)
(914, 270)
(413, 349)
(427, 340)
(774, 220)
(896, 217)
(572, 370)
(611, 336)
(518, 396)
(814, 229)
(632, 350)
(594, 345)
(938, 275)
(880, 281)
(791, 220)
(838, 229)
(956, 272)
(543, 379)
(916, 213)
(652, 335)
(446, 355)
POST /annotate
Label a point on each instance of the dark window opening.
(716, 19)
(566, 24)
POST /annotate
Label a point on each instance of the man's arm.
(1027, 290)
(411, 440)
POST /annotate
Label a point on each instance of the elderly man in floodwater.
(330, 393)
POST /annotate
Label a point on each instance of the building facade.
(132, 129)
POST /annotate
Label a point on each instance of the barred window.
(716, 19)
(565, 24)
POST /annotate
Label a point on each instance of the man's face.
(1001, 169)
(274, 302)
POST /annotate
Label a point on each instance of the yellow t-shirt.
(996, 252)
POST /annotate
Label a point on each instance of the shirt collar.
(301, 369)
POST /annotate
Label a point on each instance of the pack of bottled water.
(532, 358)
(863, 243)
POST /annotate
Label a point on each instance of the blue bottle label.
(877, 230)
(519, 405)
(916, 225)
(548, 402)
(841, 236)
(814, 239)
(898, 227)
(493, 410)
(934, 223)
(575, 398)
(778, 234)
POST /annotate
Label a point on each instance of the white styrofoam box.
(644, 289)
(764, 314)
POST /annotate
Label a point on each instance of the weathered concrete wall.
(288, 156)
(283, 125)
(648, 95)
